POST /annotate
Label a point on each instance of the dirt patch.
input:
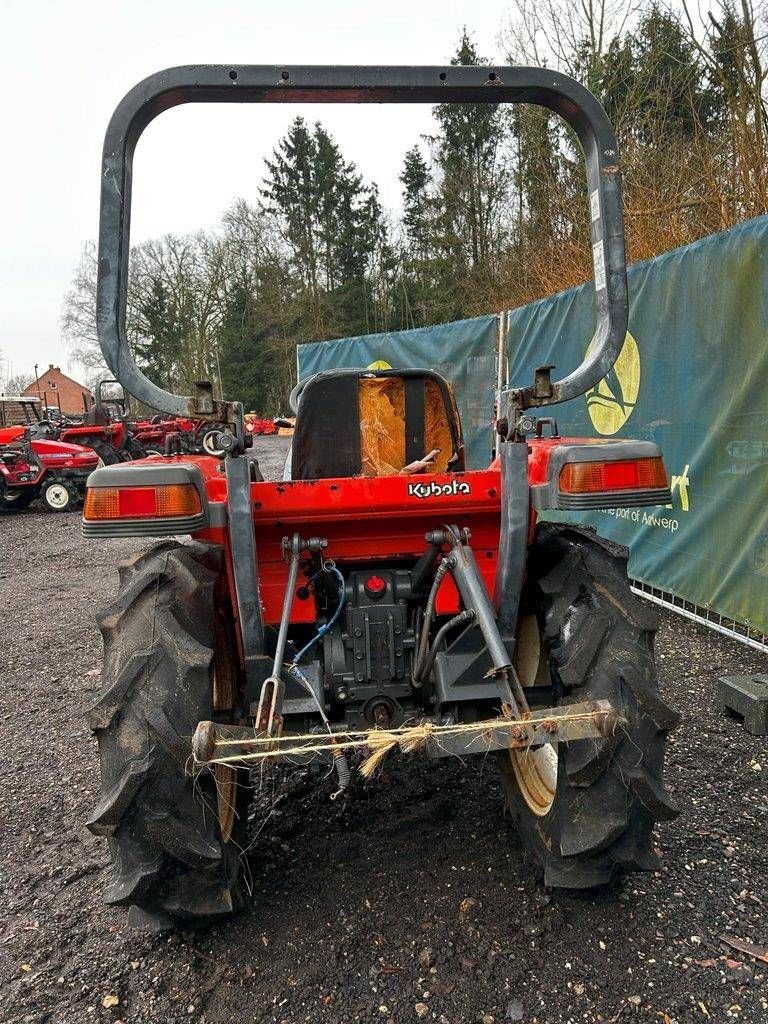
(411, 901)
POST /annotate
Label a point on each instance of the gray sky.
(67, 63)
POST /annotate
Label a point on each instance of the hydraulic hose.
(424, 665)
(429, 611)
(337, 612)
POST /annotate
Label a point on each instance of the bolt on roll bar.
(317, 84)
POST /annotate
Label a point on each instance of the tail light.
(161, 502)
(145, 501)
(586, 474)
(624, 475)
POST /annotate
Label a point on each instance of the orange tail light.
(161, 502)
(634, 474)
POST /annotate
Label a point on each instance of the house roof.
(55, 374)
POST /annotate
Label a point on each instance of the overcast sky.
(66, 64)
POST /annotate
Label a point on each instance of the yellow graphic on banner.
(379, 364)
(610, 404)
(679, 485)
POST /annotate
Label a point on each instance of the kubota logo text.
(436, 490)
(610, 404)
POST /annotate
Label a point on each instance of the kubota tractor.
(383, 595)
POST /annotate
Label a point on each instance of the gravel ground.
(413, 901)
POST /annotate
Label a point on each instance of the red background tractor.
(53, 471)
(110, 439)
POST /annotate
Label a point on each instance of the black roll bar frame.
(225, 83)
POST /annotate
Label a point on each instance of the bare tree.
(567, 36)
(17, 383)
(78, 315)
(732, 41)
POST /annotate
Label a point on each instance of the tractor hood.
(10, 434)
(60, 455)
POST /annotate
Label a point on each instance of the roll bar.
(99, 401)
(316, 84)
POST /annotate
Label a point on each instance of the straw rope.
(379, 742)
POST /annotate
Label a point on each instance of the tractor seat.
(374, 423)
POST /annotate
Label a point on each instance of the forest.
(493, 212)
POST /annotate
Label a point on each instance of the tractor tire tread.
(105, 451)
(161, 824)
(599, 639)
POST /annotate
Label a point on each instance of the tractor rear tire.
(18, 501)
(174, 856)
(135, 448)
(105, 451)
(587, 812)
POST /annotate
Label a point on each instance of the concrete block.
(747, 698)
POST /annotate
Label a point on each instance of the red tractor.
(151, 436)
(383, 596)
(190, 435)
(152, 433)
(111, 440)
(104, 427)
(52, 471)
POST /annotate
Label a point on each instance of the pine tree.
(421, 256)
(160, 333)
(473, 187)
(333, 224)
(244, 350)
(468, 154)
(418, 207)
(653, 82)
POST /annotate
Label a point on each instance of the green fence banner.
(692, 376)
(464, 352)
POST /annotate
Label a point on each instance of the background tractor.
(383, 595)
(109, 437)
(153, 435)
(53, 471)
(103, 428)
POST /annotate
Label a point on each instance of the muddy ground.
(412, 901)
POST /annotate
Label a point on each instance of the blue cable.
(324, 629)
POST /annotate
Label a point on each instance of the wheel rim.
(211, 443)
(57, 496)
(535, 770)
(536, 775)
